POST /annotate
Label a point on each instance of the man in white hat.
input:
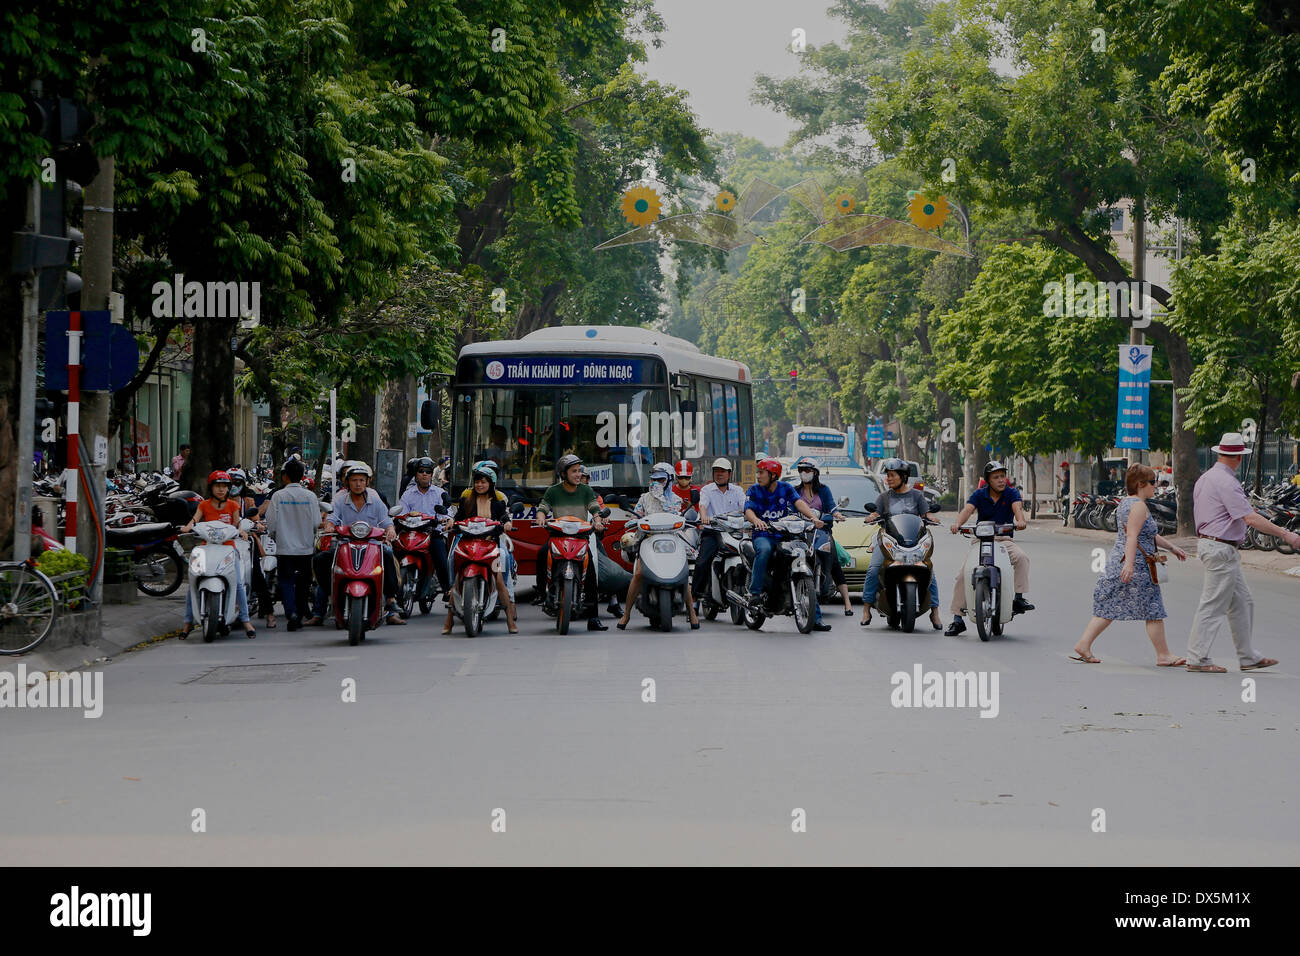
(1222, 513)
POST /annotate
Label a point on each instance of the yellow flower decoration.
(725, 201)
(640, 205)
(928, 213)
(844, 204)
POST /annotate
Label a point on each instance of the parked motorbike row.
(1098, 511)
(1280, 504)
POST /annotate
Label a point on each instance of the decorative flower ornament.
(640, 205)
(845, 204)
(928, 213)
(725, 201)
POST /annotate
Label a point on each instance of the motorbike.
(415, 532)
(567, 557)
(666, 557)
(727, 570)
(907, 568)
(791, 575)
(357, 580)
(157, 558)
(989, 571)
(212, 575)
(475, 560)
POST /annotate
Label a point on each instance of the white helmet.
(724, 463)
(357, 468)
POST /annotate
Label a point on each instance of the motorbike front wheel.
(564, 615)
(983, 608)
(665, 598)
(1108, 520)
(356, 620)
(472, 606)
(211, 626)
(410, 584)
(736, 584)
(908, 608)
(159, 572)
(805, 604)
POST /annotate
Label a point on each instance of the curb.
(1270, 561)
(159, 624)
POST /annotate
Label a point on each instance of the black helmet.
(896, 464)
(420, 463)
(410, 465)
(993, 466)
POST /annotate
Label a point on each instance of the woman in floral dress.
(1126, 591)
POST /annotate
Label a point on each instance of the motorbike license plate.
(176, 545)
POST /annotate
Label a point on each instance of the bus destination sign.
(563, 370)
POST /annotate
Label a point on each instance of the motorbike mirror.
(395, 510)
(935, 506)
(325, 507)
(245, 525)
(604, 512)
(517, 508)
(844, 502)
(869, 507)
(691, 515)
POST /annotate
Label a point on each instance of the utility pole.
(27, 389)
(1136, 336)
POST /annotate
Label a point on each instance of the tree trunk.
(364, 449)
(11, 304)
(212, 408)
(1033, 485)
(395, 415)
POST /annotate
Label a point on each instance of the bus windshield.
(526, 430)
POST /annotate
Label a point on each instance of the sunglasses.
(805, 471)
(424, 471)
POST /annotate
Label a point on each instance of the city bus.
(622, 398)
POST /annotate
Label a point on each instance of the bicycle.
(29, 604)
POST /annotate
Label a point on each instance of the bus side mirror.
(429, 415)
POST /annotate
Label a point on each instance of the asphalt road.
(551, 737)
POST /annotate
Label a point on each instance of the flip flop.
(1089, 659)
(1262, 662)
(270, 622)
(1175, 663)
(1206, 669)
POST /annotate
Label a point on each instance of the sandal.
(250, 632)
(1262, 662)
(1206, 669)
(1085, 658)
(185, 630)
(270, 622)
(1176, 662)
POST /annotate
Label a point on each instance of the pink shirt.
(1220, 504)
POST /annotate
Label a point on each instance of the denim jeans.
(241, 597)
(763, 548)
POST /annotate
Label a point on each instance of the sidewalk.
(1273, 561)
(122, 626)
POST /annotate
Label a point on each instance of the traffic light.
(54, 245)
(794, 379)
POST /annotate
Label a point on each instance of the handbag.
(1157, 565)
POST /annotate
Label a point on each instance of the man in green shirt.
(570, 498)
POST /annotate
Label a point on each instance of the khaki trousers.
(1225, 600)
(1019, 570)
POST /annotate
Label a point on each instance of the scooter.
(907, 568)
(990, 569)
(666, 558)
(567, 557)
(212, 580)
(475, 560)
(727, 570)
(357, 580)
(415, 532)
(791, 575)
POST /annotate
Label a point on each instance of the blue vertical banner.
(1134, 413)
(875, 441)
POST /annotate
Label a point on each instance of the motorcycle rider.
(1000, 504)
(482, 499)
(249, 506)
(585, 478)
(424, 496)
(569, 497)
(767, 500)
(360, 503)
(898, 499)
(719, 498)
(218, 506)
(657, 499)
(682, 487)
(822, 498)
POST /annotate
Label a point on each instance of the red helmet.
(684, 469)
(772, 465)
(218, 476)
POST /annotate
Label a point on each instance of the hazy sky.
(713, 48)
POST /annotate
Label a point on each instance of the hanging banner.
(1134, 413)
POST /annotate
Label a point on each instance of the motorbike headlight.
(985, 529)
(360, 529)
(197, 563)
(663, 546)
